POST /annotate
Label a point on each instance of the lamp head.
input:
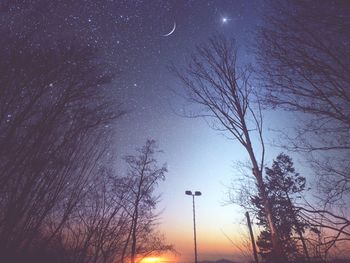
(188, 192)
(197, 193)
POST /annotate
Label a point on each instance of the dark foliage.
(304, 58)
(284, 186)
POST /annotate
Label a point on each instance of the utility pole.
(252, 238)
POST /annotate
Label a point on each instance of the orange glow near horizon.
(159, 259)
(212, 244)
(151, 260)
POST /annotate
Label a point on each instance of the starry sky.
(198, 157)
(129, 35)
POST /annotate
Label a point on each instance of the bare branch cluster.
(58, 201)
(303, 54)
(215, 81)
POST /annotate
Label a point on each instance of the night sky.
(138, 41)
(198, 158)
(130, 36)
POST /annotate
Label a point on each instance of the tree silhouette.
(143, 176)
(55, 119)
(284, 185)
(60, 200)
(306, 70)
(215, 81)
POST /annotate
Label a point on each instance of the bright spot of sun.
(224, 20)
(151, 260)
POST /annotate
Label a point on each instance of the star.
(224, 20)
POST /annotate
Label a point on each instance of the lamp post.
(196, 193)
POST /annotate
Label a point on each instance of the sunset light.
(164, 131)
(153, 260)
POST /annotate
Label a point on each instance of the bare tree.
(96, 231)
(56, 123)
(303, 52)
(331, 229)
(215, 82)
(54, 118)
(143, 176)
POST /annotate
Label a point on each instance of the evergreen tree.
(283, 185)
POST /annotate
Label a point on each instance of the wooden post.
(252, 238)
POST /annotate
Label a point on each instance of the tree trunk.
(299, 230)
(278, 255)
(133, 236)
(276, 244)
(133, 245)
(125, 247)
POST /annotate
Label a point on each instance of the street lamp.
(196, 193)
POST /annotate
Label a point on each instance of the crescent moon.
(172, 30)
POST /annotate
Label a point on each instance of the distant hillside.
(217, 261)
